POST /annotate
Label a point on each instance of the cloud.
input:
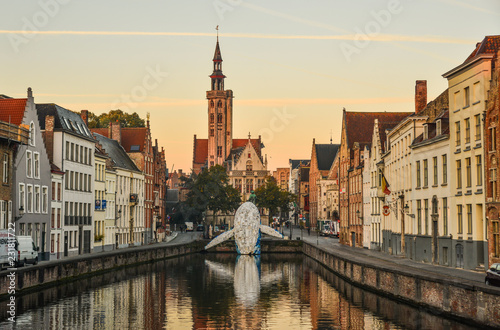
(351, 37)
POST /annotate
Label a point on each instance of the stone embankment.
(467, 301)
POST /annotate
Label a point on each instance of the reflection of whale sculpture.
(247, 279)
(247, 230)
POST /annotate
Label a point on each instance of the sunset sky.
(292, 65)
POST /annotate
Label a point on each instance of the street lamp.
(21, 213)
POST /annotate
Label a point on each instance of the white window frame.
(22, 196)
(29, 164)
(5, 165)
(37, 198)
(36, 165)
(45, 199)
(29, 206)
(32, 134)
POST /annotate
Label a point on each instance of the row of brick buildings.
(77, 190)
(420, 184)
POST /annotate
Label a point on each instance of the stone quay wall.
(456, 298)
(58, 271)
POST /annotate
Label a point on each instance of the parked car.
(200, 228)
(493, 275)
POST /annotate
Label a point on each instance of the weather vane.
(217, 28)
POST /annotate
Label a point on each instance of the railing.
(13, 132)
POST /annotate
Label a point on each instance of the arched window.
(249, 165)
(212, 118)
(219, 118)
(219, 105)
(212, 104)
(32, 134)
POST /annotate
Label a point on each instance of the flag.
(385, 185)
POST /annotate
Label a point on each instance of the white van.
(27, 252)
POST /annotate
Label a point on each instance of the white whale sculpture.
(247, 230)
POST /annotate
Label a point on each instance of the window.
(418, 174)
(459, 174)
(67, 150)
(21, 196)
(445, 216)
(496, 238)
(466, 97)
(426, 174)
(29, 202)
(219, 151)
(249, 165)
(37, 199)
(32, 134)
(468, 175)
(5, 168)
(459, 219)
(467, 130)
(477, 92)
(36, 157)
(438, 127)
(219, 118)
(72, 152)
(29, 164)
(212, 118)
(493, 183)
(53, 218)
(445, 169)
(59, 191)
(469, 219)
(456, 99)
(479, 171)
(426, 216)
(419, 216)
(45, 199)
(435, 169)
(477, 120)
(457, 133)
(493, 139)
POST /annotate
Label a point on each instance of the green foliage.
(210, 190)
(271, 197)
(126, 120)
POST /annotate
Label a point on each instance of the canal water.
(217, 291)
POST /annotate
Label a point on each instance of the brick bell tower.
(220, 114)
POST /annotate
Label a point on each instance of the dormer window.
(438, 127)
(426, 132)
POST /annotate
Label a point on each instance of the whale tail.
(221, 238)
(270, 231)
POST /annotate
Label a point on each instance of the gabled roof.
(116, 152)
(237, 143)
(200, 152)
(359, 125)
(295, 163)
(325, 155)
(489, 45)
(133, 138)
(64, 119)
(3, 96)
(12, 110)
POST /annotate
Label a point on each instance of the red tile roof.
(200, 152)
(489, 45)
(134, 136)
(237, 143)
(359, 125)
(101, 131)
(12, 110)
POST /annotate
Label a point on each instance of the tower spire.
(217, 75)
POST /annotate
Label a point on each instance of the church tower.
(220, 114)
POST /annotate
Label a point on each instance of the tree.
(271, 197)
(125, 119)
(210, 190)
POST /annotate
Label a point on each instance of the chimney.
(115, 131)
(420, 95)
(49, 137)
(85, 116)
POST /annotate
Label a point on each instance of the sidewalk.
(383, 259)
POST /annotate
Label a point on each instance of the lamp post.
(21, 213)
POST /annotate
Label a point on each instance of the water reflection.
(217, 291)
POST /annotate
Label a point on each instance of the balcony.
(19, 134)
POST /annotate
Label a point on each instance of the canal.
(217, 291)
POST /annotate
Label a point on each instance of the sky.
(292, 65)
